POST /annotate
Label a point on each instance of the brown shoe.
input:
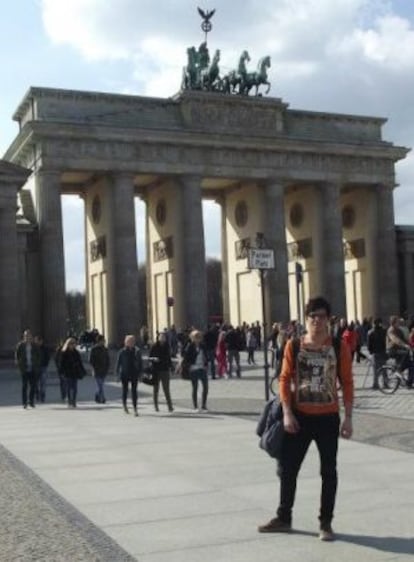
(326, 533)
(275, 525)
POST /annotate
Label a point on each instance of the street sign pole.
(263, 259)
(266, 357)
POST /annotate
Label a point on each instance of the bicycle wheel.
(274, 385)
(388, 379)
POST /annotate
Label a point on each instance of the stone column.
(194, 255)
(224, 263)
(333, 267)
(148, 276)
(408, 261)
(52, 259)
(276, 281)
(125, 291)
(9, 278)
(387, 301)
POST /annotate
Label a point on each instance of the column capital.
(328, 188)
(48, 173)
(190, 179)
(385, 187)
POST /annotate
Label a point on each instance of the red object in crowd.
(351, 338)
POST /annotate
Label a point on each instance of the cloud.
(345, 56)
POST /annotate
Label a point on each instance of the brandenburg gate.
(317, 186)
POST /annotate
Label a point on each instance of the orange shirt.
(311, 385)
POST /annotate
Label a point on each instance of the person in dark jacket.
(62, 380)
(160, 355)
(128, 368)
(376, 342)
(234, 343)
(195, 355)
(99, 359)
(28, 361)
(44, 363)
(72, 369)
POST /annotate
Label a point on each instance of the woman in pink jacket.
(221, 354)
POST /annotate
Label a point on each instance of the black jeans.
(72, 390)
(29, 379)
(211, 362)
(324, 430)
(196, 375)
(134, 383)
(164, 378)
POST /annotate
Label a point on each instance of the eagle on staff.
(206, 15)
(206, 25)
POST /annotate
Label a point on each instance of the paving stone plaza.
(94, 484)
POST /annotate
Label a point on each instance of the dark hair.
(315, 304)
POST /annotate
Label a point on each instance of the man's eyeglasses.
(317, 315)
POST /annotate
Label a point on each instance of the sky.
(341, 56)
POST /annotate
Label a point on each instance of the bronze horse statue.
(257, 78)
(236, 78)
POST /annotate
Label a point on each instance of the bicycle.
(394, 373)
(274, 385)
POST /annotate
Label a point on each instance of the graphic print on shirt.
(316, 376)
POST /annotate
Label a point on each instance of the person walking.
(376, 342)
(251, 345)
(100, 361)
(308, 393)
(195, 356)
(128, 369)
(44, 363)
(221, 354)
(28, 361)
(210, 342)
(234, 344)
(62, 380)
(72, 369)
(160, 355)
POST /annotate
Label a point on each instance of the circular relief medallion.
(241, 214)
(296, 215)
(96, 209)
(348, 216)
(161, 212)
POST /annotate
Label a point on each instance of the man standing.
(311, 368)
(28, 360)
(99, 359)
(377, 348)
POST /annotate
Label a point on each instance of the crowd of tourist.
(212, 354)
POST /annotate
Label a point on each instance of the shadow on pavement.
(396, 545)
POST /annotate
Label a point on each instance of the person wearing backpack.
(308, 393)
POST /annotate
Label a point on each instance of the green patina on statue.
(201, 74)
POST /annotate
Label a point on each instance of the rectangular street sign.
(261, 258)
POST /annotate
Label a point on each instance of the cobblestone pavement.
(38, 525)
